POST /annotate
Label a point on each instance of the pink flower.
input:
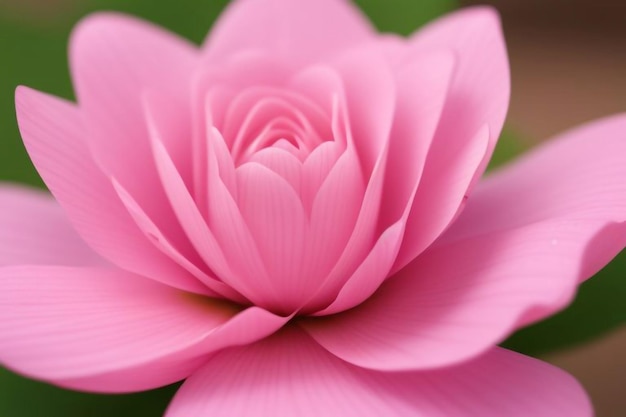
(291, 218)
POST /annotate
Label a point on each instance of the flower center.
(262, 117)
(281, 187)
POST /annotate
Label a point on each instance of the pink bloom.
(291, 218)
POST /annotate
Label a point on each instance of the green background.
(33, 53)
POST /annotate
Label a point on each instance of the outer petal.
(436, 202)
(53, 132)
(299, 32)
(34, 230)
(532, 233)
(191, 220)
(581, 175)
(108, 330)
(370, 100)
(458, 300)
(114, 59)
(422, 88)
(421, 94)
(478, 97)
(154, 234)
(481, 86)
(289, 375)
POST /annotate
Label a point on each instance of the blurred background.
(568, 60)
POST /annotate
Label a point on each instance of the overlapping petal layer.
(284, 170)
(54, 133)
(288, 375)
(477, 100)
(112, 331)
(498, 267)
(290, 30)
(35, 231)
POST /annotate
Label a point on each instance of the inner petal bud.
(285, 157)
(261, 116)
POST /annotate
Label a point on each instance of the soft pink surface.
(529, 235)
(35, 231)
(289, 375)
(285, 172)
(54, 134)
(113, 331)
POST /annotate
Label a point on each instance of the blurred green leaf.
(404, 16)
(20, 397)
(509, 146)
(191, 19)
(35, 58)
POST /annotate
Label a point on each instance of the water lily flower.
(293, 218)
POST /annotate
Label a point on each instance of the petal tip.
(486, 13)
(94, 22)
(22, 94)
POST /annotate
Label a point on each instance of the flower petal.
(289, 375)
(578, 175)
(481, 86)
(371, 112)
(531, 233)
(457, 300)
(281, 162)
(226, 222)
(217, 88)
(114, 59)
(370, 274)
(34, 230)
(333, 216)
(276, 219)
(247, 327)
(53, 132)
(154, 234)
(299, 32)
(109, 330)
(191, 220)
(370, 100)
(420, 99)
(436, 202)
(478, 97)
(422, 89)
(360, 243)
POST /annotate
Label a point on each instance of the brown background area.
(568, 66)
